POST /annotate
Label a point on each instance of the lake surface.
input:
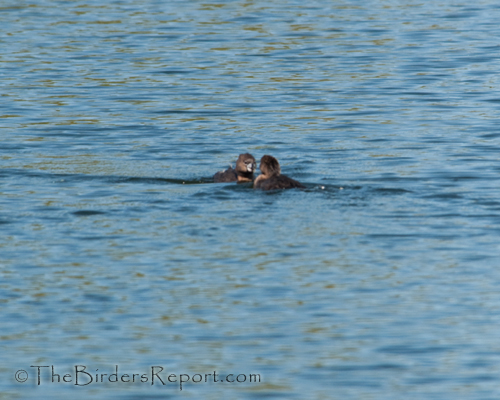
(378, 281)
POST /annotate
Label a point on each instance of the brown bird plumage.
(245, 167)
(271, 178)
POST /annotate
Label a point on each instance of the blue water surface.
(118, 254)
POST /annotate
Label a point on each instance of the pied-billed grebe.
(245, 166)
(271, 178)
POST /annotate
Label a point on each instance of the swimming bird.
(245, 167)
(271, 178)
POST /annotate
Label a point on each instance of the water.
(377, 281)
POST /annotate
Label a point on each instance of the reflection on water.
(378, 280)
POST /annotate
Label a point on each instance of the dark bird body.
(271, 177)
(245, 167)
